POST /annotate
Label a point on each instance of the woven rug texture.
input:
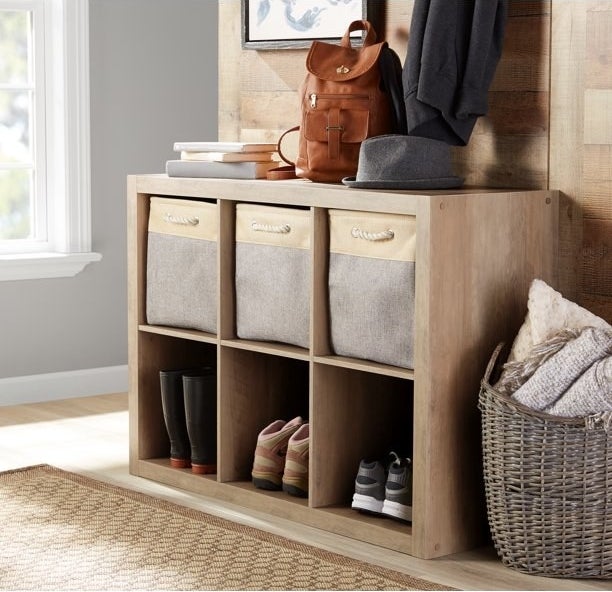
(63, 531)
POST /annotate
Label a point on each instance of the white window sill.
(31, 266)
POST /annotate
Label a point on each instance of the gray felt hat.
(395, 161)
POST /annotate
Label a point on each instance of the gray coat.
(453, 50)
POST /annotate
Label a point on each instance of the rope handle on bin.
(273, 228)
(185, 220)
(372, 236)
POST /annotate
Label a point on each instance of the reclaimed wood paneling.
(581, 148)
(528, 7)
(524, 65)
(509, 146)
(597, 257)
(568, 39)
(599, 47)
(597, 181)
(598, 116)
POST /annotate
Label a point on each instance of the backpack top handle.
(363, 25)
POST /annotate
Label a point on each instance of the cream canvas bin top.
(267, 225)
(380, 236)
(182, 217)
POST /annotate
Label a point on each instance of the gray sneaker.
(370, 487)
(398, 489)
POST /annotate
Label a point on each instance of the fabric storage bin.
(548, 486)
(371, 286)
(181, 286)
(273, 274)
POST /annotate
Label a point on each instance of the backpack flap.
(336, 63)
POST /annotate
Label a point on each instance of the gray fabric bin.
(372, 286)
(181, 288)
(273, 274)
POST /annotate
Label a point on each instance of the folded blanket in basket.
(590, 394)
(554, 377)
(516, 373)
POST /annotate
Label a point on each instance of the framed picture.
(294, 24)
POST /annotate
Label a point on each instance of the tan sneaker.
(270, 453)
(295, 477)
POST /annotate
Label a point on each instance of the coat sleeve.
(483, 53)
(453, 50)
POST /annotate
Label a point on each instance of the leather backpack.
(348, 94)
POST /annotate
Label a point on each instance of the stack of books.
(229, 160)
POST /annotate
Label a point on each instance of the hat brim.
(437, 183)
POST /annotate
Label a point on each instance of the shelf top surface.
(306, 193)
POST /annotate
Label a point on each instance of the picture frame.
(294, 24)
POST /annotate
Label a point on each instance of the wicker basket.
(548, 485)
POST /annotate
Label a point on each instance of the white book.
(221, 170)
(224, 147)
(227, 156)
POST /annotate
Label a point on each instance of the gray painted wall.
(153, 81)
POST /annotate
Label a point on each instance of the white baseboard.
(63, 385)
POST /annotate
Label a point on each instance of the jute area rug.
(63, 531)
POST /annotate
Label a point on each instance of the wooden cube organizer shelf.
(477, 251)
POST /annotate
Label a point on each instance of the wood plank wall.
(581, 148)
(549, 120)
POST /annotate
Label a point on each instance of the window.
(45, 227)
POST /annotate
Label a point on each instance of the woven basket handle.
(492, 362)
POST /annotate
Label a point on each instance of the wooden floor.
(90, 436)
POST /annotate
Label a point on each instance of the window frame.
(67, 145)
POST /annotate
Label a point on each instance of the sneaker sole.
(294, 490)
(269, 482)
(367, 503)
(397, 510)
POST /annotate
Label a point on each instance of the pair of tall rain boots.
(189, 404)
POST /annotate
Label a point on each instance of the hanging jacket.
(453, 50)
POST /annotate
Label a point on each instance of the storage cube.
(181, 286)
(372, 287)
(273, 274)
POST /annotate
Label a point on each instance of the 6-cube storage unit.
(475, 254)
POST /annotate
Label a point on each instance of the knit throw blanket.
(569, 375)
